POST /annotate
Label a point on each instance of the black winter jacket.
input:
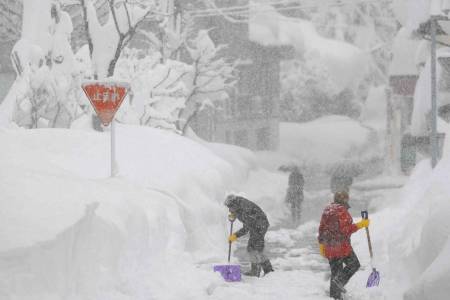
(251, 215)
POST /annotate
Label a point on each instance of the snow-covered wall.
(67, 231)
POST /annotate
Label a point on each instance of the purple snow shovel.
(374, 278)
(229, 272)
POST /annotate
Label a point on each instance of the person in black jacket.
(255, 222)
(294, 195)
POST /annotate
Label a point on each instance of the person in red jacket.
(336, 227)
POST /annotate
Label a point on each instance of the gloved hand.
(322, 249)
(232, 238)
(363, 223)
(231, 217)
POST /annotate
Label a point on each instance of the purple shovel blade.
(229, 272)
(374, 279)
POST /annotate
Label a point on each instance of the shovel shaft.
(229, 243)
(365, 215)
(369, 242)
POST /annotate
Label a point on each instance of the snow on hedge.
(67, 230)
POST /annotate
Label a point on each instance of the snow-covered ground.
(67, 231)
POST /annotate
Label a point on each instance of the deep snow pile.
(412, 233)
(419, 244)
(69, 231)
(325, 140)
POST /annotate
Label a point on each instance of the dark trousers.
(255, 246)
(296, 211)
(342, 269)
(256, 240)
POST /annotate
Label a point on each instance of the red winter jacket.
(336, 227)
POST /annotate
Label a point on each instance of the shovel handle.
(365, 215)
(229, 243)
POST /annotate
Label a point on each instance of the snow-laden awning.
(346, 63)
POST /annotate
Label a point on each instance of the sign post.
(106, 98)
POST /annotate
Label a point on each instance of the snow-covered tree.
(158, 90)
(309, 93)
(370, 26)
(211, 79)
(307, 90)
(168, 93)
(45, 64)
(106, 42)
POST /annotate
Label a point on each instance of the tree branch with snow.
(211, 77)
(109, 40)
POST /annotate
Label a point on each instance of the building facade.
(250, 117)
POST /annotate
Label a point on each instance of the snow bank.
(418, 245)
(411, 236)
(69, 231)
(345, 62)
(324, 141)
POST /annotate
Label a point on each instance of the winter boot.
(267, 267)
(254, 271)
(339, 285)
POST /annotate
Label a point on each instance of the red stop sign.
(106, 98)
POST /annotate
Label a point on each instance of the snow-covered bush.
(167, 93)
(158, 91)
(308, 92)
(47, 85)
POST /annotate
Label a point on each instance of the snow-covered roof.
(412, 13)
(404, 51)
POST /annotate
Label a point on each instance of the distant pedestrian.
(294, 195)
(255, 222)
(336, 227)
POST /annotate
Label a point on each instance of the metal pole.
(113, 148)
(433, 137)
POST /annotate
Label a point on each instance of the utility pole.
(433, 136)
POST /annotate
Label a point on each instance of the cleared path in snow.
(300, 271)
